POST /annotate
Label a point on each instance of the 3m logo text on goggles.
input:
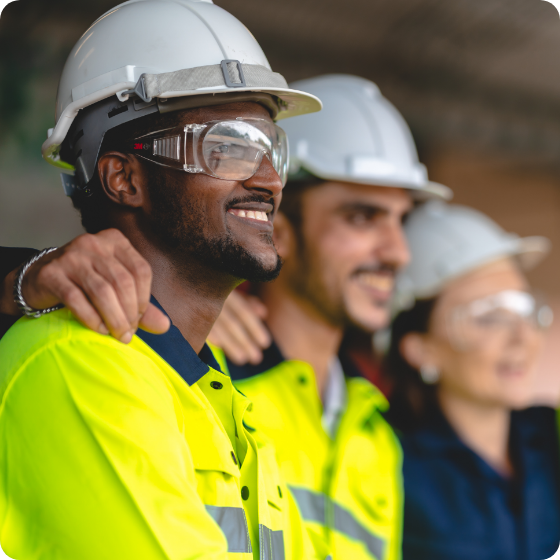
(225, 149)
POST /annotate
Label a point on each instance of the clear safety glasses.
(226, 149)
(497, 317)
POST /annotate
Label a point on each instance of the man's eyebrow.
(367, 207)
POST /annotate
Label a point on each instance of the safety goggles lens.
(230, 149)
(482, 321)
(234, 149)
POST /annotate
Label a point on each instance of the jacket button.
(216, 385)
(234, 457)
(245, 493)
(279, 491)
(302, 379)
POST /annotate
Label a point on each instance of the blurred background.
(477, 80)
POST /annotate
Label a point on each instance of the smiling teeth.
(371, 280)
(253, 214)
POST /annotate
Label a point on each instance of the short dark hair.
(292, 201)
(412, 401)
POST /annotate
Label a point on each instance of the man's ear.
(122, 178)
(283, 236)
(417, 350)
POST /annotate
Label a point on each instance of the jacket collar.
(178, 353)
(272, 357)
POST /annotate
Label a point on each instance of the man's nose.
(394, 248)
(522, 331)
(266, 180)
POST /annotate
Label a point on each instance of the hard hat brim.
(532, 250)
(431, 191)
(421, 192)
(527, 251)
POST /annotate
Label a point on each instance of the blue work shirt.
(457, 507)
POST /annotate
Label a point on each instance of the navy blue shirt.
(457, 507)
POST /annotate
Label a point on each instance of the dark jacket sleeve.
(10, 258)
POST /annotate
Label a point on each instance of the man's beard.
(181, 227)
(310, 280)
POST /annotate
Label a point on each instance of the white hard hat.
(358, 137)
(447, 241)
(161, 50)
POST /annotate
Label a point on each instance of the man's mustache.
(387, 269)
(252, 198)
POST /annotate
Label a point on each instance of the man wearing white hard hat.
(354, 176)
(481, 470)
(165, 114)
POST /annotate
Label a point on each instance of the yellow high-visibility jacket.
(109, 453)
(349, 488)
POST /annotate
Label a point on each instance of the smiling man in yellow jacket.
(141, 451)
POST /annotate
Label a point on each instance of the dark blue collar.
(178, 353)
(272, 356)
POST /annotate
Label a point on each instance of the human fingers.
(154, 320)
(249, 313)
(111, 255)
(72, 296)
(89, 264)
(258, 307)
(241, 339)
(135, 264)
(76, 283)
(220, 336)
(104, 298)
(124, 287)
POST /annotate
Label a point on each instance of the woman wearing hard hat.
(481, 470)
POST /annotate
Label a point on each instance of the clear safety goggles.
(496, 317)
(225, 149)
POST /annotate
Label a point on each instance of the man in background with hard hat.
(354, 178)
(355, 175)
(142, 450)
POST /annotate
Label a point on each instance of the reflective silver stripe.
(311, 504)
(192, 79)
(233, 523)
(313, 507)
(272, 544)
(345, 522)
